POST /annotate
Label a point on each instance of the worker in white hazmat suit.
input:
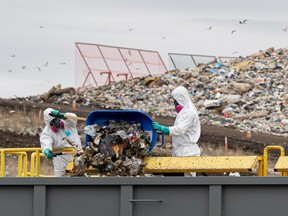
(186, 129)
(59, 132)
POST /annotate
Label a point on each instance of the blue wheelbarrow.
(101, 117)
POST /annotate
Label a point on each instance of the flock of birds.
(37, 67)
(244, 22)
(241, 22)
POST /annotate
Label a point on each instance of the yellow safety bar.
(265, 157)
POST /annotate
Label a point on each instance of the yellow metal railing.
(36, 155)
(265, 157)
(20, 152)
(22, 169)
(35, 161)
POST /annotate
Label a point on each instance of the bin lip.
(127, 111)
(136, 111)
(120, 111)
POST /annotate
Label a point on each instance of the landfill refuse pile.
(117, 149)
(246, 93)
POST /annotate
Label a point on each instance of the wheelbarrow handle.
(55, 154)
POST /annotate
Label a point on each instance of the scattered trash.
(244, 93)
(117, 149)
(235, 174)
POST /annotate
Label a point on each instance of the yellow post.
(20, 165)
(37, 163)
(260, 166)
(25, 165)
(2, 162)
(32, 166)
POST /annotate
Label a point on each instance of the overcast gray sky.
(38, 31)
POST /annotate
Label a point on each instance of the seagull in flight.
(163, 37)
(13, 56)
(9, 71)
(233, 31)
(284, 29)
(23, 67)
(243, 21)
(210, 28)
(63, 63)
(131, 28)
(46, 64)
(235, 52)
(39, 69)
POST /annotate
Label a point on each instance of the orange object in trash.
(248, 134)
(74, 106)
(226, 115)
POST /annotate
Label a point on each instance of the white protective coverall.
(186, 129)
(52, 140)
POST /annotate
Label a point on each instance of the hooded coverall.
(54, 140)
(186, 129)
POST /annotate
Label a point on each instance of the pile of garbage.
(247, 93)
(117, 149)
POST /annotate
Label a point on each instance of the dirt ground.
(211, 136)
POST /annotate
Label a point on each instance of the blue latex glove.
(58, 114)
(48, 153)
(161, 128)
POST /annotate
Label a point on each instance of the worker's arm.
(162, 128)
(48, 153)
(70, 121)
(46, 145)
(184, 123)
(58, 114)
